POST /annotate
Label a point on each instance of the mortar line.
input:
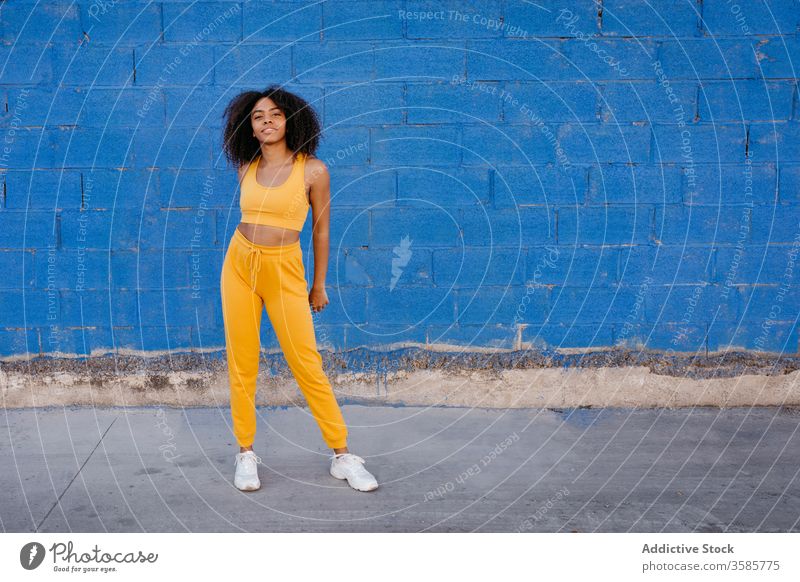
(89, 456)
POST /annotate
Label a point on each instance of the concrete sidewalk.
(441, 469)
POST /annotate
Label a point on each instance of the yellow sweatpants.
(257, 276)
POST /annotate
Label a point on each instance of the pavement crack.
(75, 476)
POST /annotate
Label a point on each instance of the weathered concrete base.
(613, 379)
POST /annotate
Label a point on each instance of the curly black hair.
(302, 124)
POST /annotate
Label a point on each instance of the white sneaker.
(246, 477)
(351, 467)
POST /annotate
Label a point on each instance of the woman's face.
(268, 121)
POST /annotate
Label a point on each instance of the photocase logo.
(403, 252)
(31, 555)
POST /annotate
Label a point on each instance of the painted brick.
(347, 306)
(605, 143)
(775, 142)
(328, 61)
(745, 100)
(694, 144)
(555, 335)
(351, 186)
(34, 21)
(730, 18)
(117, 24)
(83, 309)
(399, 60)
(690, 304)
(351, 228)
(570, 266)
(726, 185)
(672, 18)
(698, 59)
(19, 269)
(415, 145)
(152, 338)
(30, 66)
(607, 59)
(373, 336)
(608, 225)
(43, 189)
(667, 337)
(512, 227)
(426, 227)
(158, 269)
(436, 188)
(778, 338)
(559, 18)
(120, 189)
(200, 106)
(162, 65)
(410, 306)
(25, 148)
(518, 146)
(770, 224)
(179, 148)
(289, 21)
(72, 269)
(453, 102)
(363, 104)
(634, 184)
(19, 341)
(360, 20)
(576, 305)
(478, 267)
(185, 188)
(769, 303)
(777, 57)
(700, 225)
(451, 19)
(211, 21)
(71, 147)
(549, 101)
(404, 265)
(93, 66)
(102, 107)
(28, 229)
(478, 335)
(648, 265)
(29, 309)
(502, 305)
(346, 147)
(649, 101)
(539, 185)
(789, 184)
(511, 60)
(753, 264)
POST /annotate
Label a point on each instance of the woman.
(272, 137)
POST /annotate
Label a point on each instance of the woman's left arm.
(320, 198)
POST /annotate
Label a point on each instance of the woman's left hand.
(318, 298)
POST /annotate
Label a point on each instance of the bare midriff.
(261, 234)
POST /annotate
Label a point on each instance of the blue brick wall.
(504, 173)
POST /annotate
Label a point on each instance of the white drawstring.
(250, 263)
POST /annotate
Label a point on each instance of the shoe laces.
(251, 458)
(356, 462)
(346, 456)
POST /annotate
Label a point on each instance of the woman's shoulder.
(243, 167)
(314, 169)
(311, 161)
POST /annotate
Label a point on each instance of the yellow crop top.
(285, 206)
